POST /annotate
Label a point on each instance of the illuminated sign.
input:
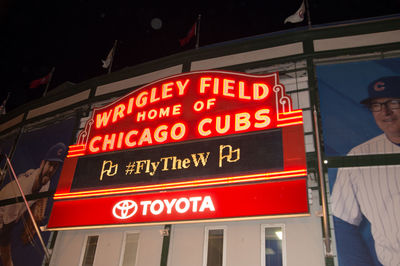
(185, 107)
(127, 208)
(250, 153)
(276, 199)
(124, 209)
(185, 135)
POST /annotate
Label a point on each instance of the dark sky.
(73, 36)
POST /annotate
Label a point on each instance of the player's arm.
(38, 211)
(351, 247)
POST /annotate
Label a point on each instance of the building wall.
(70, 246)
(303, 241)
(243, 242)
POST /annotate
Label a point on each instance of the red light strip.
(292, 112)
(295, 120)
(75, 155)
(77, 146)
(186, 184)
(290, 124)
(76, 150)
(290, 118)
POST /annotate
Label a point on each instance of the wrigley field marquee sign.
(181, 149)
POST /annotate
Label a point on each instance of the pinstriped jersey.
(372, 191)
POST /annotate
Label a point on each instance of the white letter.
(180, 128)
(263, 118)
(207, 203)
(169, 205)
(200, 127)
(204, 84)
(195, 200)
(185, 208)
(145, 204)
(153, 209)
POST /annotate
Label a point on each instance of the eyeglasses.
(391, 104)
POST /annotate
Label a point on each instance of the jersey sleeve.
(344, 200)
(12, 212)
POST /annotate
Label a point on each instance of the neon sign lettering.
(134, 138)
(235, 123)
(259, 91)
(142, 100)
(186, 107)
(169, 163)
(126, 209)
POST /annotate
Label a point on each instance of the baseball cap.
(56, 153)
(384, 87)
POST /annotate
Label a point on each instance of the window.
(129, 249)
(90, 251)
(214, 246)
(273, 250)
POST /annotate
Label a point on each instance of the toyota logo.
(125, 209)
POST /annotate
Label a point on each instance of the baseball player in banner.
(32, 181)
(373, 191)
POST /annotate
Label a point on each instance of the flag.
(109, 59)
(3, 109)
(37, 82)
(3, 106)
(191, 33)
(298, 16)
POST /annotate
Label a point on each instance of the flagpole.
(46, 251)
(8, 96)
(112, 56)
(308, 13)
(198, 31)
(3, 105)
(325, 215)
(48, 82)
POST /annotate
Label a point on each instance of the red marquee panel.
(255, 200)
(211, 131)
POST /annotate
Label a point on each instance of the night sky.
(73, 36)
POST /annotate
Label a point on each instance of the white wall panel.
(59, 104)
(243, 241)
(11, 122)
(357, 40)
(137, 80)
(69, 246)
(247, 57)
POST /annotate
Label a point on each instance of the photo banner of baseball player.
(37, 162)
(360, 111)
(345, 122)
(6, 144)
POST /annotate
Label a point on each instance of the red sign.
(272, 198)
(185, 107)
(207, 119)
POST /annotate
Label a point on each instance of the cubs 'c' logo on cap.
(379, 86)
(59, 152)
(125, 209)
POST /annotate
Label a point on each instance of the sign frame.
(214, 95)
